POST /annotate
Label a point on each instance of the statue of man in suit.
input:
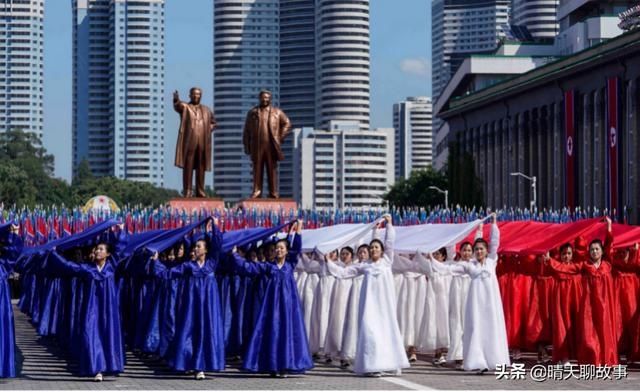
(193, 149)
(264, 131)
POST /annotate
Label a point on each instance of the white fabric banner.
(409, 239)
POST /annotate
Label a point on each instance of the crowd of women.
(367, 296)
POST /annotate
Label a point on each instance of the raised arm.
(310, 265)
(494, 241)
(246, 267)
(340, 272)
(608, 241)
(296, 243)
(178, 105)
(574, 268)
(390, 238)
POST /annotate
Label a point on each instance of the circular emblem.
(570, 146)
(613, 134)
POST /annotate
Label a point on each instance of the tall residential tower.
(21, 65)
(412, 122)
(118, 88)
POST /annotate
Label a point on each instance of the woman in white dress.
(338, 306)
(351, 322)
(380, 347)
(484, 341)
(411, 295)
(312, 267)
(434, 330)
(321, 309)
(457, 301)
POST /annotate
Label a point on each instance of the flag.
(570, 148)
(613, 137)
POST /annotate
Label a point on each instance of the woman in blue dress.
(99, 347)
(278, 344)
(11, 249)
(198, 341)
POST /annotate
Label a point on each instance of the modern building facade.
(538, 16)
(343, 57)
(246, 60)
(344, 167)
(22, 65)
(118, 88)
(314, 57)
(573, 124)
(460, 28)
(412, 122)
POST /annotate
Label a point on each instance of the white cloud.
(417, 67)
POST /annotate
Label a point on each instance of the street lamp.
(446, 195)
(533, 187)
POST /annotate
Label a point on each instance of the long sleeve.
(311, 266)
(350, 271)
(608, 246)
(246, 267)
(295, 250)
(389, 241)
(494, 242)
(57, 266)
(565, 268)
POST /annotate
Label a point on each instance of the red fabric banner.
(612, 139)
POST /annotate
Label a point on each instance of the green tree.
(415, 192)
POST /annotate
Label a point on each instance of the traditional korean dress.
(380, 346)
(278, 342)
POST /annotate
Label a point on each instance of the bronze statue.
(193, 149)
(264, 131)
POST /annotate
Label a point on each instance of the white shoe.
(376, 374)
(441, 360)
(413, 357)
(98, 377)
(200, 376)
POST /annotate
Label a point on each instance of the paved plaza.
(42, 366)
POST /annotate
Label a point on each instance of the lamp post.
(533, 187)
(446, 195)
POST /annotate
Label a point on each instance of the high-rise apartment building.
(344, 166)
(412, 122)
(343, 57)
(118, 88)
(461, 28)
(312, 54)
(538, 16)
(21, 65)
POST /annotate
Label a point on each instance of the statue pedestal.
(196, 203)
(268, 204)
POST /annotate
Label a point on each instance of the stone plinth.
(268, 204)
(196, 203)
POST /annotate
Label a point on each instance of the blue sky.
(400, 66)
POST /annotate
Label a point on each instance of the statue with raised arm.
(193, 149)
(264, 131)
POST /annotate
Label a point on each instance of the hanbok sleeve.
(311, 265)
(608, 246)
(565, 268)
(295, 250)
(423, 265)
(246, 267)
(342, 272)
(57, 266)
(494, 241)
(389, 241)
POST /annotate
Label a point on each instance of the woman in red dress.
(596, 323)
(627, 285)
(567, 292)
